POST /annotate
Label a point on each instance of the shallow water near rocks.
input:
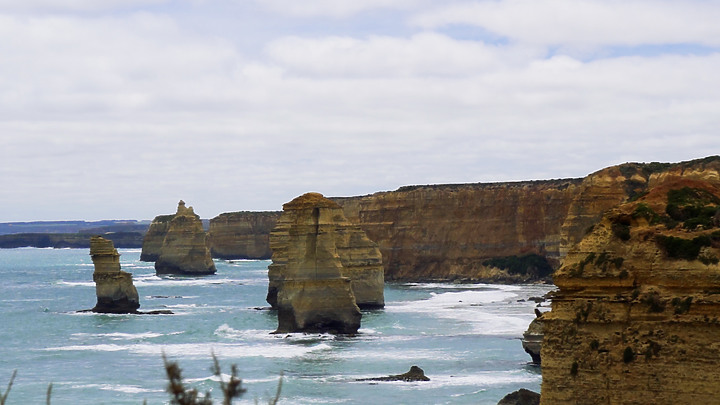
(465, 337)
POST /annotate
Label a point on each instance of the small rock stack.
(115, 291)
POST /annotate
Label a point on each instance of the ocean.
(466, 337)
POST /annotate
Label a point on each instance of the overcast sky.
(116, 109)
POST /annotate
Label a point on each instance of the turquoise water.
(465, 337)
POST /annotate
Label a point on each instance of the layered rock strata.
(306, 273)
(242, 235)
(184, 250)
(114, 288)
(360, 258)
(636, 317)
(153, 239)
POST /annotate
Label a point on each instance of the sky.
(117, 109)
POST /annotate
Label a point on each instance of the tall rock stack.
(636, 318)
(360, 257)
(115, 291)
(184, 250)
(311, 294)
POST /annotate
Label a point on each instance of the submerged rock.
(115, 291)
(415, 374)
(521, 397)
(359, 257)
(311, 294)
(184, 250)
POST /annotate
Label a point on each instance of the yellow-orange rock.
(306, 273)
(184, 250)
(242, 235)
(153, 239)
(636, 317)
(360, 258)
(114, 288)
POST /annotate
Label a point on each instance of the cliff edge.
(635, 320)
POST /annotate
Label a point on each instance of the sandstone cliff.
(114, 288)
(306, 273)
(495, 232)
(242, 235)
(635, 320)
(184, 250)
(451, 232)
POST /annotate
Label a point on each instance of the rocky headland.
(493, 232)
(306, 282)
(114, 288)
(636, 316)
(184, 249)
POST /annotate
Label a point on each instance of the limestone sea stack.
(311, 293)
(115, 291)
(533, 337)
(153, 239)
(636, 316)
(184, 250)
(360, 258)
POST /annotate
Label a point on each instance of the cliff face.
(451, 231)
(448, 232)
(635, 320)
(242, 235)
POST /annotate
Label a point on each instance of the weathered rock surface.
(533, 337)
(306, 273)
(636, 317)
(114, 288)
(153, 239)
(184, 250)
(242, 235)
(414, 374)
(521, 397)
(360, 258)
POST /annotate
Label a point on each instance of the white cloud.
(586, 22)
(73, 5)
(424, 54)
(334, 8)
(122, 115)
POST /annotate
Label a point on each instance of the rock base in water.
(313, 306)
(415, 374)
(114, 288)
(521, 397)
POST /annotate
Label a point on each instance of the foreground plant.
(180, 395)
